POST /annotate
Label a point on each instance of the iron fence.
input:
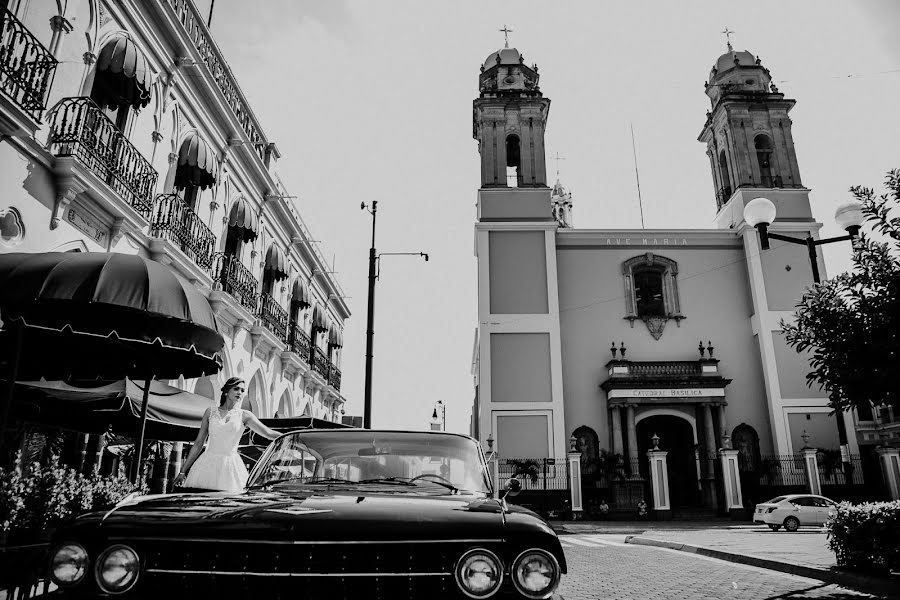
(79, 128)
(545, 483)
(174, 220)
(26, 67)
(235, 279)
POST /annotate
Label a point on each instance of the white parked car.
(793, 510)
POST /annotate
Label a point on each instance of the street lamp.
(434, 414)
(760, 213)
(374, 263)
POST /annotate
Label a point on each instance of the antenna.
(637, 175)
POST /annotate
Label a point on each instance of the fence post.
(811, 464)
(575, 480)
(890, 470)
(659, 481)
(734, 498)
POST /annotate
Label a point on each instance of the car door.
(806, 510)
(824, 508)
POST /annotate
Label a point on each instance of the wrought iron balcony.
(235, 279)
(298, 341)
(664, 369)
(273, 316)
(321, 363)
(26, 67)
(177, 222)
(334, 378)
(79, 128)
(186, 12)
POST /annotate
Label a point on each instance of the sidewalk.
(802, 553)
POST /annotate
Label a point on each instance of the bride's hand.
(179, 480)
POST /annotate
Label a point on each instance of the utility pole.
(370, 324)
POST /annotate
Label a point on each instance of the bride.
(219, 467)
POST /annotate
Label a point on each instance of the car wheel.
(791, 524)
(774, 527)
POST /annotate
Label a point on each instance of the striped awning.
(196, 163)
(335, 337)
(300, 293)
(276, 263)
(122, 75)
(243, 218)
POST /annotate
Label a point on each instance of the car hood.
(313, 514)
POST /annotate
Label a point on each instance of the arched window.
(764, 160)
(725, 190)
(513, 162)
(651, 291)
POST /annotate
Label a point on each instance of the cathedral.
(615, 340)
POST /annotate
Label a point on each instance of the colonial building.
(123, 129)
(612, 336)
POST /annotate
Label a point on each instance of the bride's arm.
(256, 426)
(196, 449)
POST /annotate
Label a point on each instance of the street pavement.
(603, 566)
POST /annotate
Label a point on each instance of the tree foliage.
(851, 324)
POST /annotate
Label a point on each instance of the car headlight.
(117, 569)
(68, 564)
(536, 573)
(479, 573)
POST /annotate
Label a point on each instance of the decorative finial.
(655, 441)
(558, 158)
(622, 349)
(613, 349)
(726, 441)
(709, 348)
(805, 437)
(728, 33)
(506, 31)
(701, 348)
(573, 444)
(490, 441)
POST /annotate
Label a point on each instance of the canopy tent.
(172, 414)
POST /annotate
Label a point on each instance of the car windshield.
(775, 500)
(363, 457)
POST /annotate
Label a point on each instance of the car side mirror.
(513, 487)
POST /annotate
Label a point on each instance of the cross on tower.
(558, 158)
(728, 33)
(506, 31)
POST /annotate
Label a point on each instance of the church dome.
(733, 59)
(508, 56)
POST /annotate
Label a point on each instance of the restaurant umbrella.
(101, 316)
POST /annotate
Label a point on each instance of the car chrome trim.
(98, 565)
(551, 588)
(501, 569)
(305, 542)
(292, 573)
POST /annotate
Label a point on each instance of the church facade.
(612, 337)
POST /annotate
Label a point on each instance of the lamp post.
(434, 414)
(760, 213)
(374, 263)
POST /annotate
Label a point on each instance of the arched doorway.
(676, 436)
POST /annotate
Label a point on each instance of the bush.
(37, 497)
(866, 537)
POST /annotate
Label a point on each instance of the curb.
(883, 586)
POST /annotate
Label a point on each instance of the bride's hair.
(227, 388)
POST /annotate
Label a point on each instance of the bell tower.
(509, 118)
(748, 135)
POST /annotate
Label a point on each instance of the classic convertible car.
(349, 513)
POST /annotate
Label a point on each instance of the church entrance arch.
(676, 436)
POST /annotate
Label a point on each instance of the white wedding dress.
(220, 467)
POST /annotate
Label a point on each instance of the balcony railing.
(177, 222)
(321, 363)
(26, 67)
(664, 369)
(273, 316)
(334, 378)
(723, 195)
(298, 341)
(79, 128)
(221, 73)
(235, 279)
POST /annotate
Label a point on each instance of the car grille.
(299, 571)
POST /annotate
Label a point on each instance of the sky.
(373, 101)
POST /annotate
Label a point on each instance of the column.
(734, 499)
(616, 419)
(890, 470)
(709, 459)
(720, 419)
(659, 483)
(632, 442)
(811, 464)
